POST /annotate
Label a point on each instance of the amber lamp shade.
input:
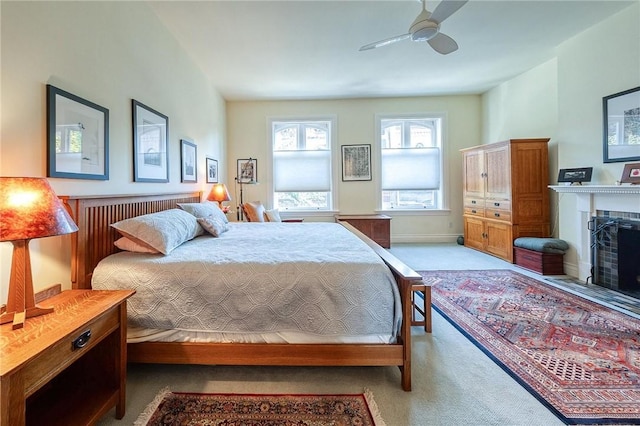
(29, 209)
(219, 193)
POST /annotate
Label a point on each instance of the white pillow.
(272, 215)
(124, 243)
(213, 225)
(162, 231)
(204, 209)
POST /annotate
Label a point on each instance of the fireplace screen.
(615, 255)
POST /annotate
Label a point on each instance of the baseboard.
(571, 269)
(423, 238)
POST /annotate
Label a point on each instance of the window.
(302, 164)
(411, 162)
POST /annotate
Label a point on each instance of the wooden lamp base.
(21, 302)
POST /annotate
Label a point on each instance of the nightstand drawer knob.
(82, 340)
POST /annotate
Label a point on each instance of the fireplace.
(589, 201)
(615, 258)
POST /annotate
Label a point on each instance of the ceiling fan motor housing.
(423, 28)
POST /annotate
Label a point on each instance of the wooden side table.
(67, 367)
(375, 226)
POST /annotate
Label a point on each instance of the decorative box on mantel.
(590, 199)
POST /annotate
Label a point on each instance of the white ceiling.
(309, 49)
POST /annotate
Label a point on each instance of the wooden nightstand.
(67, 367)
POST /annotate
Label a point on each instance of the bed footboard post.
(405, 288)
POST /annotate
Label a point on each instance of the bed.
(94, 245)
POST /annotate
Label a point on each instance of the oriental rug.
(579, 358)
(225, 409)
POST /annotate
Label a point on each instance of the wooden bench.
(542, 255)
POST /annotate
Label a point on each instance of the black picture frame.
(578, 175)
(247, 170)
(621, 132)
(356, 163)
(631, 174)
(212, 170)
(188, 161)
(77, 137)
(150, 144)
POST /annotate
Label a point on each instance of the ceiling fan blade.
(443, 44)
(446, 8)
(385, 42)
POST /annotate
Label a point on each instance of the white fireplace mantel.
(597, 189)
(590, 199)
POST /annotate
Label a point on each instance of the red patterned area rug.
(580, 359)
(221, 409)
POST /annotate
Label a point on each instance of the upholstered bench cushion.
(543, 245)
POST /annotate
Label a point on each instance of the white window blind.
(302, 171)
(410, 169)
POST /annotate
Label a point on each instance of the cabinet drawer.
(498, 214)
(474, 202)
(498, 204)
(474, 211)
(42, 369)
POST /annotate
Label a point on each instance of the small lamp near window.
(28, 209)
(220, 194)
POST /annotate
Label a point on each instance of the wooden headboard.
(94, 215)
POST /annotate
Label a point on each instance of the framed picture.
(631, 174)
(212, 170)
(77, 137)
(247, 170)
(188, 161)
(575, 175)
(356, 162)
(622, 126)
(150, 139)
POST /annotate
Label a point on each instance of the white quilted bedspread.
(314, 278)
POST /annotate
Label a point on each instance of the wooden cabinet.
(375, 226)
(505, 194)
(69, 366)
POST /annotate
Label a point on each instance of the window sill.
(415, 212)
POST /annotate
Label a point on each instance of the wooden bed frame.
(94, 241)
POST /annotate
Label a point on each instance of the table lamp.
(28, 209)
(219, 193)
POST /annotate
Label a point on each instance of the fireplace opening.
(629, 260)
(615, 245)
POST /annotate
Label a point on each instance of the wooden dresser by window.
(506, 194)
(375, 226)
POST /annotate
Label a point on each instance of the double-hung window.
(411, 162)
(302, 164)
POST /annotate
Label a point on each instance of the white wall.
(599, 62)
(108, 53)
(248, 137)
(563, 98)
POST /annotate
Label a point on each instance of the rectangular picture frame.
(631, 174)
(247, 171)
(77, 137)
(621, 116)
(212, 170)
(356, 163)
(150, 144)
(188, 161)
(578, 175)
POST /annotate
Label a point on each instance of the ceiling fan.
(426, 27)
